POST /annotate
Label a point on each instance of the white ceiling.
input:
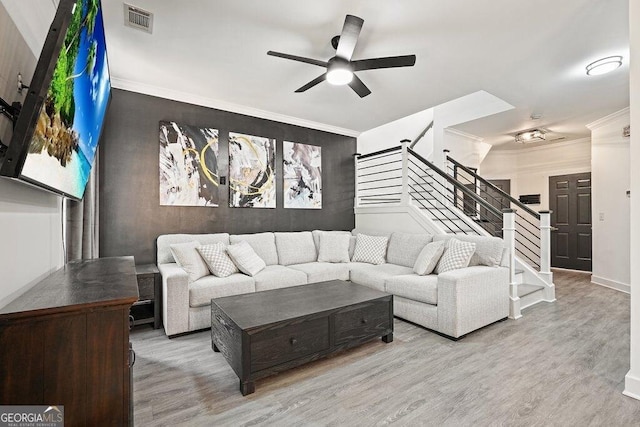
(531, 54)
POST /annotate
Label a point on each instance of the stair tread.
(519, 271)
(527, 289)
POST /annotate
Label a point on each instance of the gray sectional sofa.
(453, 303)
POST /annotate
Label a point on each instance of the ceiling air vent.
(138, 18)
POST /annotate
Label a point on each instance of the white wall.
(390, 134)
(529, 169)
(632, 380)
(30, 219)
(609, 201)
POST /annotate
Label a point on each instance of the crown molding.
(464, 134)
(550, 146)
(189, 98)
(605, 120)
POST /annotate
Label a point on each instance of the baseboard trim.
(631, 386)
(611, 284)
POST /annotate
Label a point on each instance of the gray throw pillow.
(217, 259)
(370, 249)
(334, 247)
(456, 255)
(188, 257)
(246, 258)
(428, 258)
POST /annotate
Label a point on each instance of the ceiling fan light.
(339, 76)
(604, 65)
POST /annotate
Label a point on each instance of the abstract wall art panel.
(302, 176)
(188, 165)
(252, 181)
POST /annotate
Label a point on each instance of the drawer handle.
(363, 321)
(293, 341)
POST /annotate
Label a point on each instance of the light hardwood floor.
(561, 364)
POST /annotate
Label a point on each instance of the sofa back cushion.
(404, 248)
(264, 244)
(295, 248)
(489, 250)
(164, 241)
(352, 240)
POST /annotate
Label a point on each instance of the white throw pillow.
(428, 258)
(188, 257)
(334, 247)
(217, 260)
(246, 258)
(456, 255)
(370, 249)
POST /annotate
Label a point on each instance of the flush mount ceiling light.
(529, 136)
(604, 65)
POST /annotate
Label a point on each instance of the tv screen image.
(63, 145)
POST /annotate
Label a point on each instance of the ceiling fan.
(340, 68)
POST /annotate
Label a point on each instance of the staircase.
(398, 183)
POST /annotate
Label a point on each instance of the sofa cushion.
(374, 276)
(405, 247)
(278, 276)
(334, 247)
(457, 254)
(414, 287)
(263, 243)
(488, 252)
(246, 258)
(352, 240)
(188, 257)
(428, 258)
(371, 249)
(323, 271)
(164, 241)
(217, 259)
(202, 291)
(295, 248)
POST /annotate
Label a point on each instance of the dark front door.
(570, 203)
(490, 222)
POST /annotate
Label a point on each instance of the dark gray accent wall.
(131, 217)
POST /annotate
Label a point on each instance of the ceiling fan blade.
(359, 87)
(298, 58)
(349, 37)
(312, 83)
(388, 62)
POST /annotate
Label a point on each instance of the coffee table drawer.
(372, 319)
(282, 344)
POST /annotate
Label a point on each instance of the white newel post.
(509, 236)
(448, 187)
(405, 199)
(545, 254)
(356, 202)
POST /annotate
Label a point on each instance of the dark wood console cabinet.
(66, 342)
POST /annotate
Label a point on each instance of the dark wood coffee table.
(267, 332)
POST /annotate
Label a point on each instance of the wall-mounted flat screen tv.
(56, 136)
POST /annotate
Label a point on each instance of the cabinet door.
(107, 367)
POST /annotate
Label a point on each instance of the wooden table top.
(266, 307)
(87, 283)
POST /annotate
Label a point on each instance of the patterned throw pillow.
(428, 258)
(217, 260)
(370, 249)
(246, 258)
(334, 247)
(456, 255)
(187, 257)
